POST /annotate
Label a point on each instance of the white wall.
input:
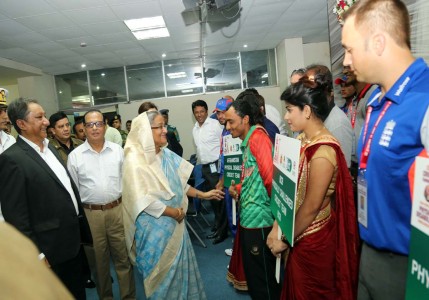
(290, 56)
(40, 88)
(181, 112)
(317, 53)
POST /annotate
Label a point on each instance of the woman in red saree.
(323, 264)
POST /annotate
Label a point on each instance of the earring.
(307, 117)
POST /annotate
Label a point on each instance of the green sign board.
(418, 260)
(285, 177)
(233, 160)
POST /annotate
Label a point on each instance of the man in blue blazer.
(38, 197)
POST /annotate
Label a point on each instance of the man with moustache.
(207, 134)
(39, 198)
(226, 213)
(78, 129)
(96, 167)
(62, 140)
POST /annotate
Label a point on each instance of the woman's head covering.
(143, 180)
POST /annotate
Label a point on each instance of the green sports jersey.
(257, 175)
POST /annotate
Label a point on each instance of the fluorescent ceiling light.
(176, 75)
(187, 91)
(148, 28)
(145, 23)
(151, 34)
(265, 75)
(184, 84)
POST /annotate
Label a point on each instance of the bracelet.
(180, 213)
(284, 240)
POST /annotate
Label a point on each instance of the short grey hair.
(151, 115)
(18, 110)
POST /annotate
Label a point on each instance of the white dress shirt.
(97, 175)
(6, 141)
(207, 140)
(56, 166)
(113, 135)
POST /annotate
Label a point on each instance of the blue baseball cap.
(222, 104)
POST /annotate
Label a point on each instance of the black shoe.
(89, 284)
(214, 229)
(212, 235)
(219, 239)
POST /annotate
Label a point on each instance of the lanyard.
(352, 112)
(367, 145)
(350, 108)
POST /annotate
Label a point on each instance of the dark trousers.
(219, 208)
(259, 264)
(70, 274)
(382, 274)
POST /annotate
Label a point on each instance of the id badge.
(213, 168)
(362, 201)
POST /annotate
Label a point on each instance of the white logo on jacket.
(387, 133)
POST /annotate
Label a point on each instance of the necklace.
(307, 141)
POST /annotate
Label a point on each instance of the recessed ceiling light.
(163, 55)
(245, 45)
(145, 23)
(169, 65)
(98, 87)
(151, 34)
(148, 28)
(60, 92)
(103, 74)
(83, 66)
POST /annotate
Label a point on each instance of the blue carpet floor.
(212, 263)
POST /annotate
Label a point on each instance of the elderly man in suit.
(39, 198)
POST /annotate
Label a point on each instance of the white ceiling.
(47, 34)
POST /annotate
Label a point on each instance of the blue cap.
(222, 104)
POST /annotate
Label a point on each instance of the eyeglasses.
(163, 126)
(97, 124)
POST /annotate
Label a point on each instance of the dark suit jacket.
(35, 201)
